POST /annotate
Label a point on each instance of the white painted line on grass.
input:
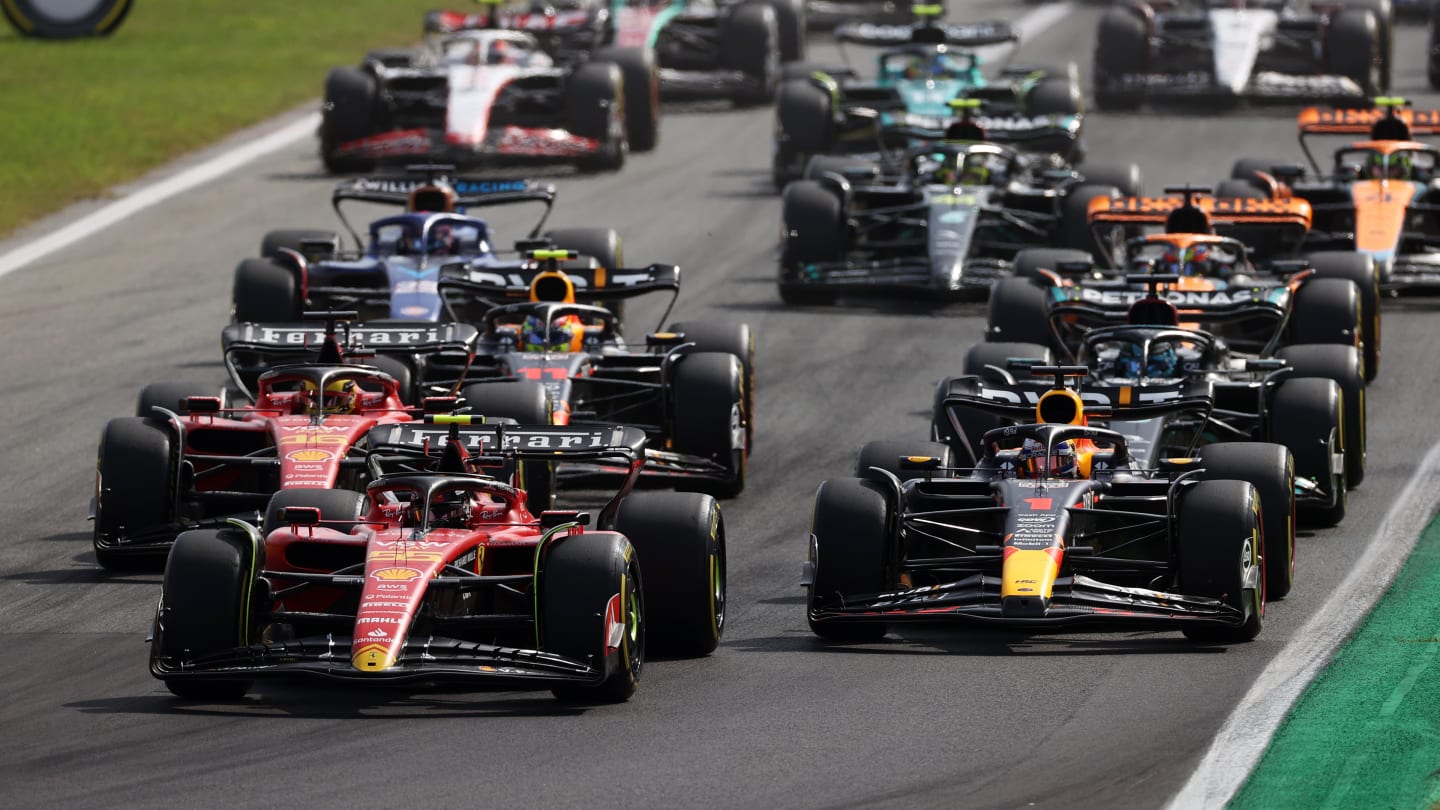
(1237, 749)
(156, 193)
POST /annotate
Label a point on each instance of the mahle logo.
(65, 19)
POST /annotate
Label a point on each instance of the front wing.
(436, 659)
(1075, 600)
(904, 276)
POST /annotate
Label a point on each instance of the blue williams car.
(394, 271)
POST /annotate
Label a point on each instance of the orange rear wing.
(1391, 119)
(1346, 121)
(1288, 211)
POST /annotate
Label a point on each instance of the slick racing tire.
(790, 28)
(1353, 47)
(171, 396)
(343, 507)
(847, 167)
(1219, 548)
(982, 359)
(595, 108)
(1245, 169)
(804, 127)
(1327, 310)
(1018, 313)
(813, 232)
(1270, 468)
(1361, 270)
(205, 605)
(36, 18)
(750, 44)
(849, 553)
(264, 292)
(887, 455)
(1128, 181)
(1243, 189)
(1122, 47)
(1343, 365)
(730, 338)
(680, 537)
(1432, 61)
(1073, 230)
(708, 401)
(605, 246)
(350, 112)
(585, 581)
(135, 479)
(642, 94)
(295, 240)
(1306, 416)
(528, 403)
(1058, 93)
(1384, 11)
(1029, 262)
(400, 371)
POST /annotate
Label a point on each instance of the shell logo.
(310, 455)
(396, 574)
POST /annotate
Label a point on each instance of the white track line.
(157, 193)
(1237, 749)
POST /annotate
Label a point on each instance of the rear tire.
(1306, 416)
(729, 338)
(350, 113)
(850, 554)
(1327, 310)
(1073, 230)
(641, 80)
(1122, 48)
(803, 127)
(1018, 313)
(591, 98)
(886, 456)
(1352, 43)
(170, 396)
(750, 43)
(708, 401)
(680, 537)
(581, 580)
(1343, 365)
(529, 404)
(1219, 552)
(1270, 468)
(264, 292)
(334, 504)
(294, 239)
(1361, 270)
(209, 578)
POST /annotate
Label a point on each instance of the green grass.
(78, 117)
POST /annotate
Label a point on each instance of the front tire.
(849, 555)
(588, 581)
(205, 605)
(1218, 543)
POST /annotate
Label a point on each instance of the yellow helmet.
(341, 396)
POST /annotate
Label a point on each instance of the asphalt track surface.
(773, 719)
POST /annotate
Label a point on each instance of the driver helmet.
(1189, 261)
(435, 197)
(341, 396)
(1063, 461)
(1401, 167)
(1396, 167)
(450, 510)
(975, 172)
(565, 334)
(1162, 361)
(441, 240)
(1129, 362)
(501, 52)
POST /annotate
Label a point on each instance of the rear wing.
(589, 281)
(557, 443)
(469, 192)
(445, 349)
(1391, 119)
(1289, 211)
(964, 35)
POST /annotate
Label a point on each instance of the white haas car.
(1255, 50)
(471, 97)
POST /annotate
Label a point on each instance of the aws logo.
(65, 19)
